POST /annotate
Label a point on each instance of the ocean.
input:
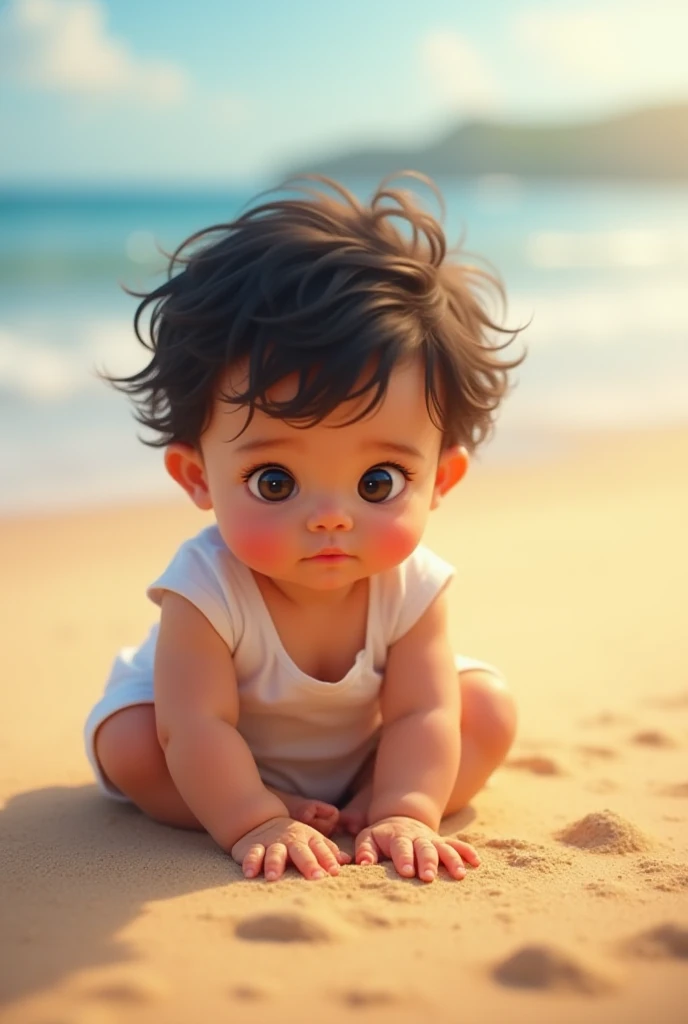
(598, 271)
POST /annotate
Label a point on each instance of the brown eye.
(381, 483)
(271, 484)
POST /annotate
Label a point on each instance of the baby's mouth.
(328, 554)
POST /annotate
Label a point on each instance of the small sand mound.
(544, 967)
(290, 926)
(604, 832)
(666, 940)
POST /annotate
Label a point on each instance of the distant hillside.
(649, 144)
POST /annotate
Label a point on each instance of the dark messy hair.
(328, 288)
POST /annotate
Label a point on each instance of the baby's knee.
(128, 750)
(488, 709)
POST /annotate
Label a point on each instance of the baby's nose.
(329, 518)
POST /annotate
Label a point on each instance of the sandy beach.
(572, 578)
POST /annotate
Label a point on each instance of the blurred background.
(556, 129)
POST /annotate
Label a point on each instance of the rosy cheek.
(258, 543)
(394, 540)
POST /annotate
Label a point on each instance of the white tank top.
(307, 735)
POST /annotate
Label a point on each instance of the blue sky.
(104, 91)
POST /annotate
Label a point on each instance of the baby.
(318, 375)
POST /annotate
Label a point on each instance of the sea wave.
(37, 368)
(652, 247)
(608, 316)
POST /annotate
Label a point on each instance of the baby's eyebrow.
(259, 444)
(396, 446)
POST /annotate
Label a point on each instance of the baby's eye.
(381, 483)
(271, 483)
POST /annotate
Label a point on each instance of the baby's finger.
(451, 860)
(324, 855)
(275, 861)
(253, 861)
(367, 851)
(342, 857)
(427, 859)
(401, 852)
(304, 860)
(465, 851)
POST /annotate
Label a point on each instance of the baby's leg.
(488, 727)
(131, 757)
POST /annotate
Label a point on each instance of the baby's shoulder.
(405, 592)
(423, 565)
(206, 573)
(205, 556)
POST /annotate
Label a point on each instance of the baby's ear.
(450, 469)
(184, 463)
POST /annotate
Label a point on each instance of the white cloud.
(459, 73)
(64, 46)
(616, 46)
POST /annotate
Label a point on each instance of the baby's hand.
(413, 847)
(270, 846)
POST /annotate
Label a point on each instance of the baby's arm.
(418, 755)
(197, 708)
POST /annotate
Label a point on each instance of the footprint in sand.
(604, 832)
(602, 786)
(654, 738)
(605, 719)
(537, 765)
(128, 988)
(548, 968)
(664, 875)
(253, 992)
(670, 701)
(607, 890)
(292, 926)
(362, 997)
(370, 917)
(665, 941)
(676, 789)
(599, 752)
(520, 853)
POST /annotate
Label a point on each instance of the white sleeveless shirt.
(306, 735)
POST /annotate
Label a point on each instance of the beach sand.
(573, 578)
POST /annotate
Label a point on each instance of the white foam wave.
(613, 315)
(619, 248)
(35, 371)
(659, 401)
(40, 371)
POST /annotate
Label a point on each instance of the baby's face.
(322, 507)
